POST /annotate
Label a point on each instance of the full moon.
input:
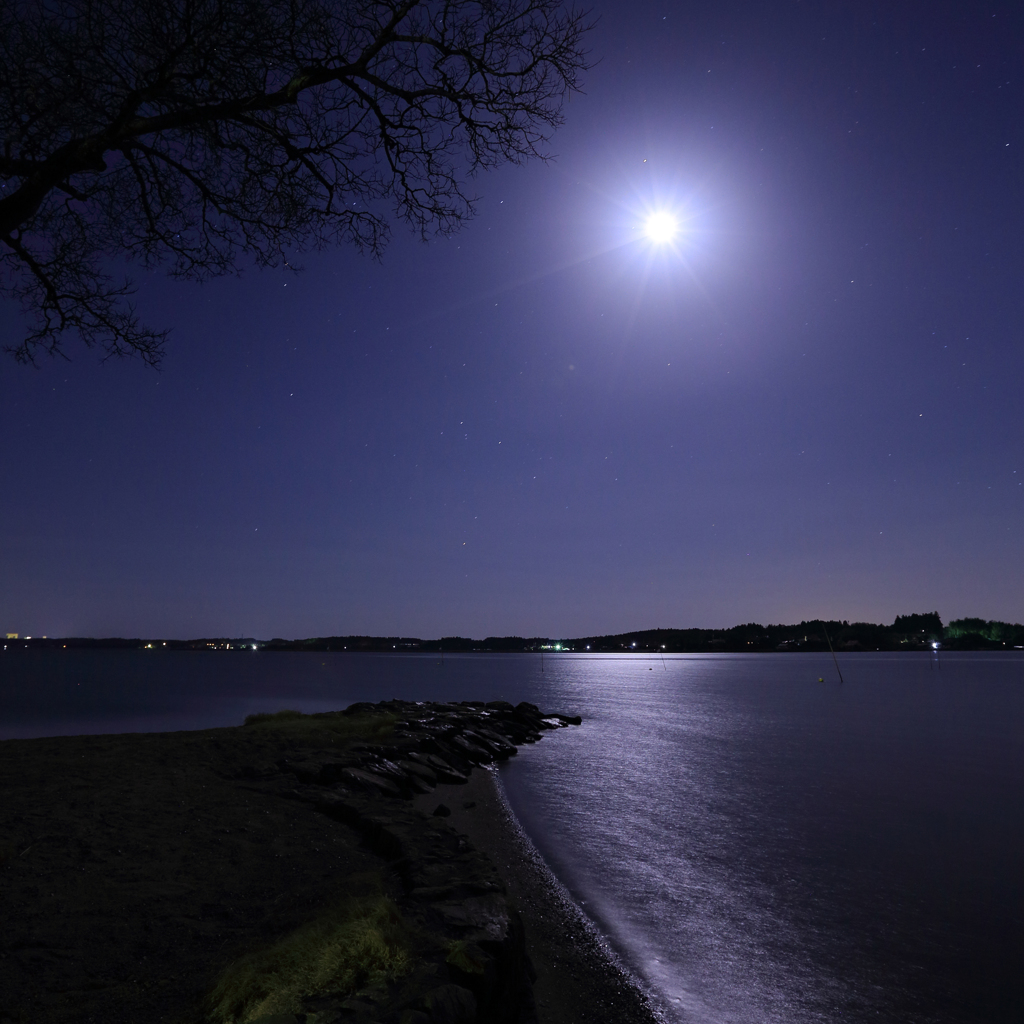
(661, 227)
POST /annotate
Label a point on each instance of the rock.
(421, 771)
(437, 746)
(413, 1017)
(468, 957)
(485, 917)
(332, 772)
(441, 811)
(441, 768)
(368, 780)
(471, 751)
(450, 1004)
(418, 785)
(361, 708)
(501, 745)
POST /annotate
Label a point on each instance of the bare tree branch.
(197, 133)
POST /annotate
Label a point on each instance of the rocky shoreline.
(431, 743)
(450, 889)
(140, 871)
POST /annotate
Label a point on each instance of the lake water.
(759, 845)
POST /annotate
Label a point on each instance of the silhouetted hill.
(907, 632)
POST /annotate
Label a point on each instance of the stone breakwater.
(474, 969)
(432, 743)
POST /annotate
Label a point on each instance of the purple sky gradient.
(810, 407)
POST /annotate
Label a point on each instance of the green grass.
(361, 942)
(331, 729)
(466, 956)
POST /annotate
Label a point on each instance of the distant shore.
(923, 632)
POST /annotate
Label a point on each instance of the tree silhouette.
(195, 132)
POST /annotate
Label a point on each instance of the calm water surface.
(759, 846)
(762, 846)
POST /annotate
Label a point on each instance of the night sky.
(809, 404)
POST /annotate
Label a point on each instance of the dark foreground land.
(289, 871)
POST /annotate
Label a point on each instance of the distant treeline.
(908, 632)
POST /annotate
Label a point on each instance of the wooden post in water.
(830, 647)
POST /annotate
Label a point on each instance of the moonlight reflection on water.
(765, 847)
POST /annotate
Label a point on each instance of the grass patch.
(467, 956)
(361, 942)
(331, 729)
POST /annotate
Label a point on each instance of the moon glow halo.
(661, 227)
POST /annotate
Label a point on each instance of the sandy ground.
(133, 868)
(578, 978)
